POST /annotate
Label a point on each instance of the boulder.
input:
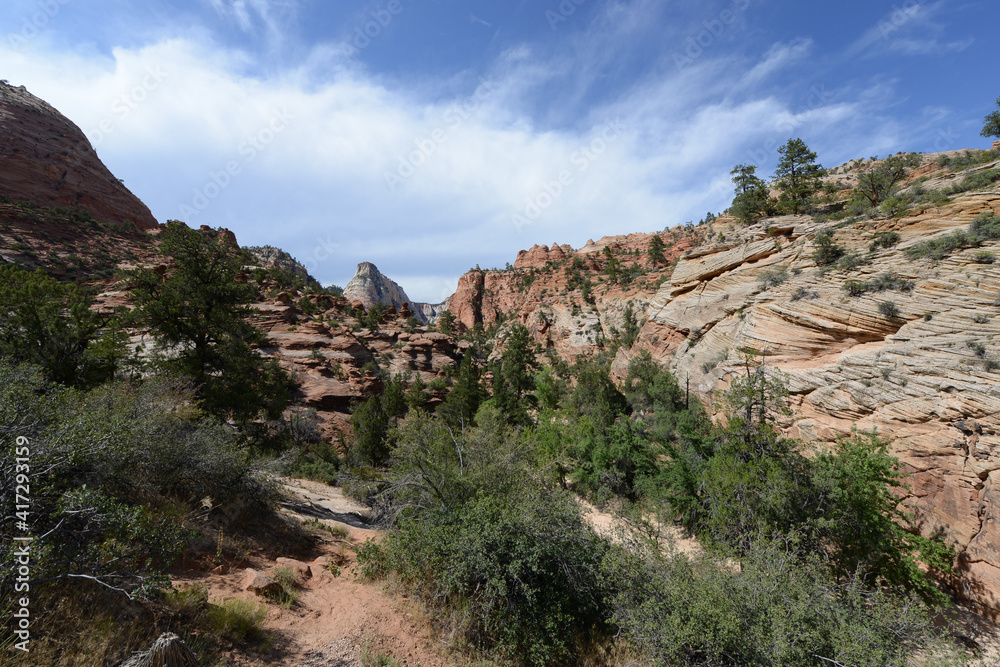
(259, 583)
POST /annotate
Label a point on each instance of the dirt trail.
(335, 618)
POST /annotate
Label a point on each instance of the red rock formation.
(47, 160)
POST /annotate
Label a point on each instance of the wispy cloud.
(910, 29)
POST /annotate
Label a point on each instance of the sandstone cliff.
(909, 348)
(370, 286)
(565, 297)
(47, 160)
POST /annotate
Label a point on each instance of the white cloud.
(337, 166)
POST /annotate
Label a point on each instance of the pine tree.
(416, 397)
(655, 251)
(612, 266)
(752, 200)
(797, 175)
(446, 323)
(991, 124)
(514, 376)
(466, 395)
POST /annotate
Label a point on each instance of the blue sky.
(429, 136)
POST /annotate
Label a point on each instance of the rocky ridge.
(47, 160)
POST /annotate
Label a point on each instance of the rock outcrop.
(47, 160)
(564, 296)
(910, 349)
(370, 286)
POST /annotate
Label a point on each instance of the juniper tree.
(198, 312)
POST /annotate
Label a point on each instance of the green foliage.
(991, 124)
(595, 396)
(417, 397)
(466, 395)
(655, 251)
(880, 283)
(977, 180)
(320, 462)
(238, 619)
(797, 175)
(374, 317)
(119, 460)
(612, 460)
(198, 315)
(864, 521)
(371, 430)
(889, 309)
(779, 608)
(513, 375)
(289, 594)
(752, 199)
(827, 250)
(651, 388)
(394, 399)
(630, 326)
(507, 559)
(773, 277)
(747, 483)
(885, 240)
(612, 265)
(50, 324)
(878, 182)
(446, 323)
(986, 227)
(550, 389)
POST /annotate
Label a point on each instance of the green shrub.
(238, 619)
(986, 227)
(880, 283)
(885, 240)
(187, 602)
(889, 309)
(979, 180)
(851, 261)
(509, 559)
(827, 250)
(777, 609)
(289, 594)
(120, 460)
(772, 277)
(984, 257)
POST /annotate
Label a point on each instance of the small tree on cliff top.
(797, 175)
(991, 124)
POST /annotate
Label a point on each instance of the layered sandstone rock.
(370, 286)
(925, 376)
(47, 160)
